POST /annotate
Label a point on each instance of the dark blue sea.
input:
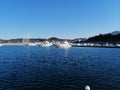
(38, 68)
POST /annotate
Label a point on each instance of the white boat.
(46, 44)
(63, 44)
(118, 45)
(0, 44)
(32, 44)
(26, 41)
(38, 43)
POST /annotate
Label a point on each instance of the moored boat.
(63, 44)
(32, 44)
(0, 44)
(46, 44)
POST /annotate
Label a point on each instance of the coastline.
(72, 44)
(97, 46)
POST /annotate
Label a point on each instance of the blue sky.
(58, 18)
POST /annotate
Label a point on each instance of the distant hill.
(115, 32)
(55, 39)
(110, 37)
(20, 40)
(78, 40)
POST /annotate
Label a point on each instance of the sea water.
(40, 68)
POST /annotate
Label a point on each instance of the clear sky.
(58, 18)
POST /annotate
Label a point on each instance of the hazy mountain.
(115, 32)
(109, 37)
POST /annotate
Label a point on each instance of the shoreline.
(97, 46)
(21, 44)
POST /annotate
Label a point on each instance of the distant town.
(101, 40)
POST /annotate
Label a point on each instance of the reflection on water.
(37, 68)
(66, 52)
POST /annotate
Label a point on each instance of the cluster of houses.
(96, 44)
(80, 42)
